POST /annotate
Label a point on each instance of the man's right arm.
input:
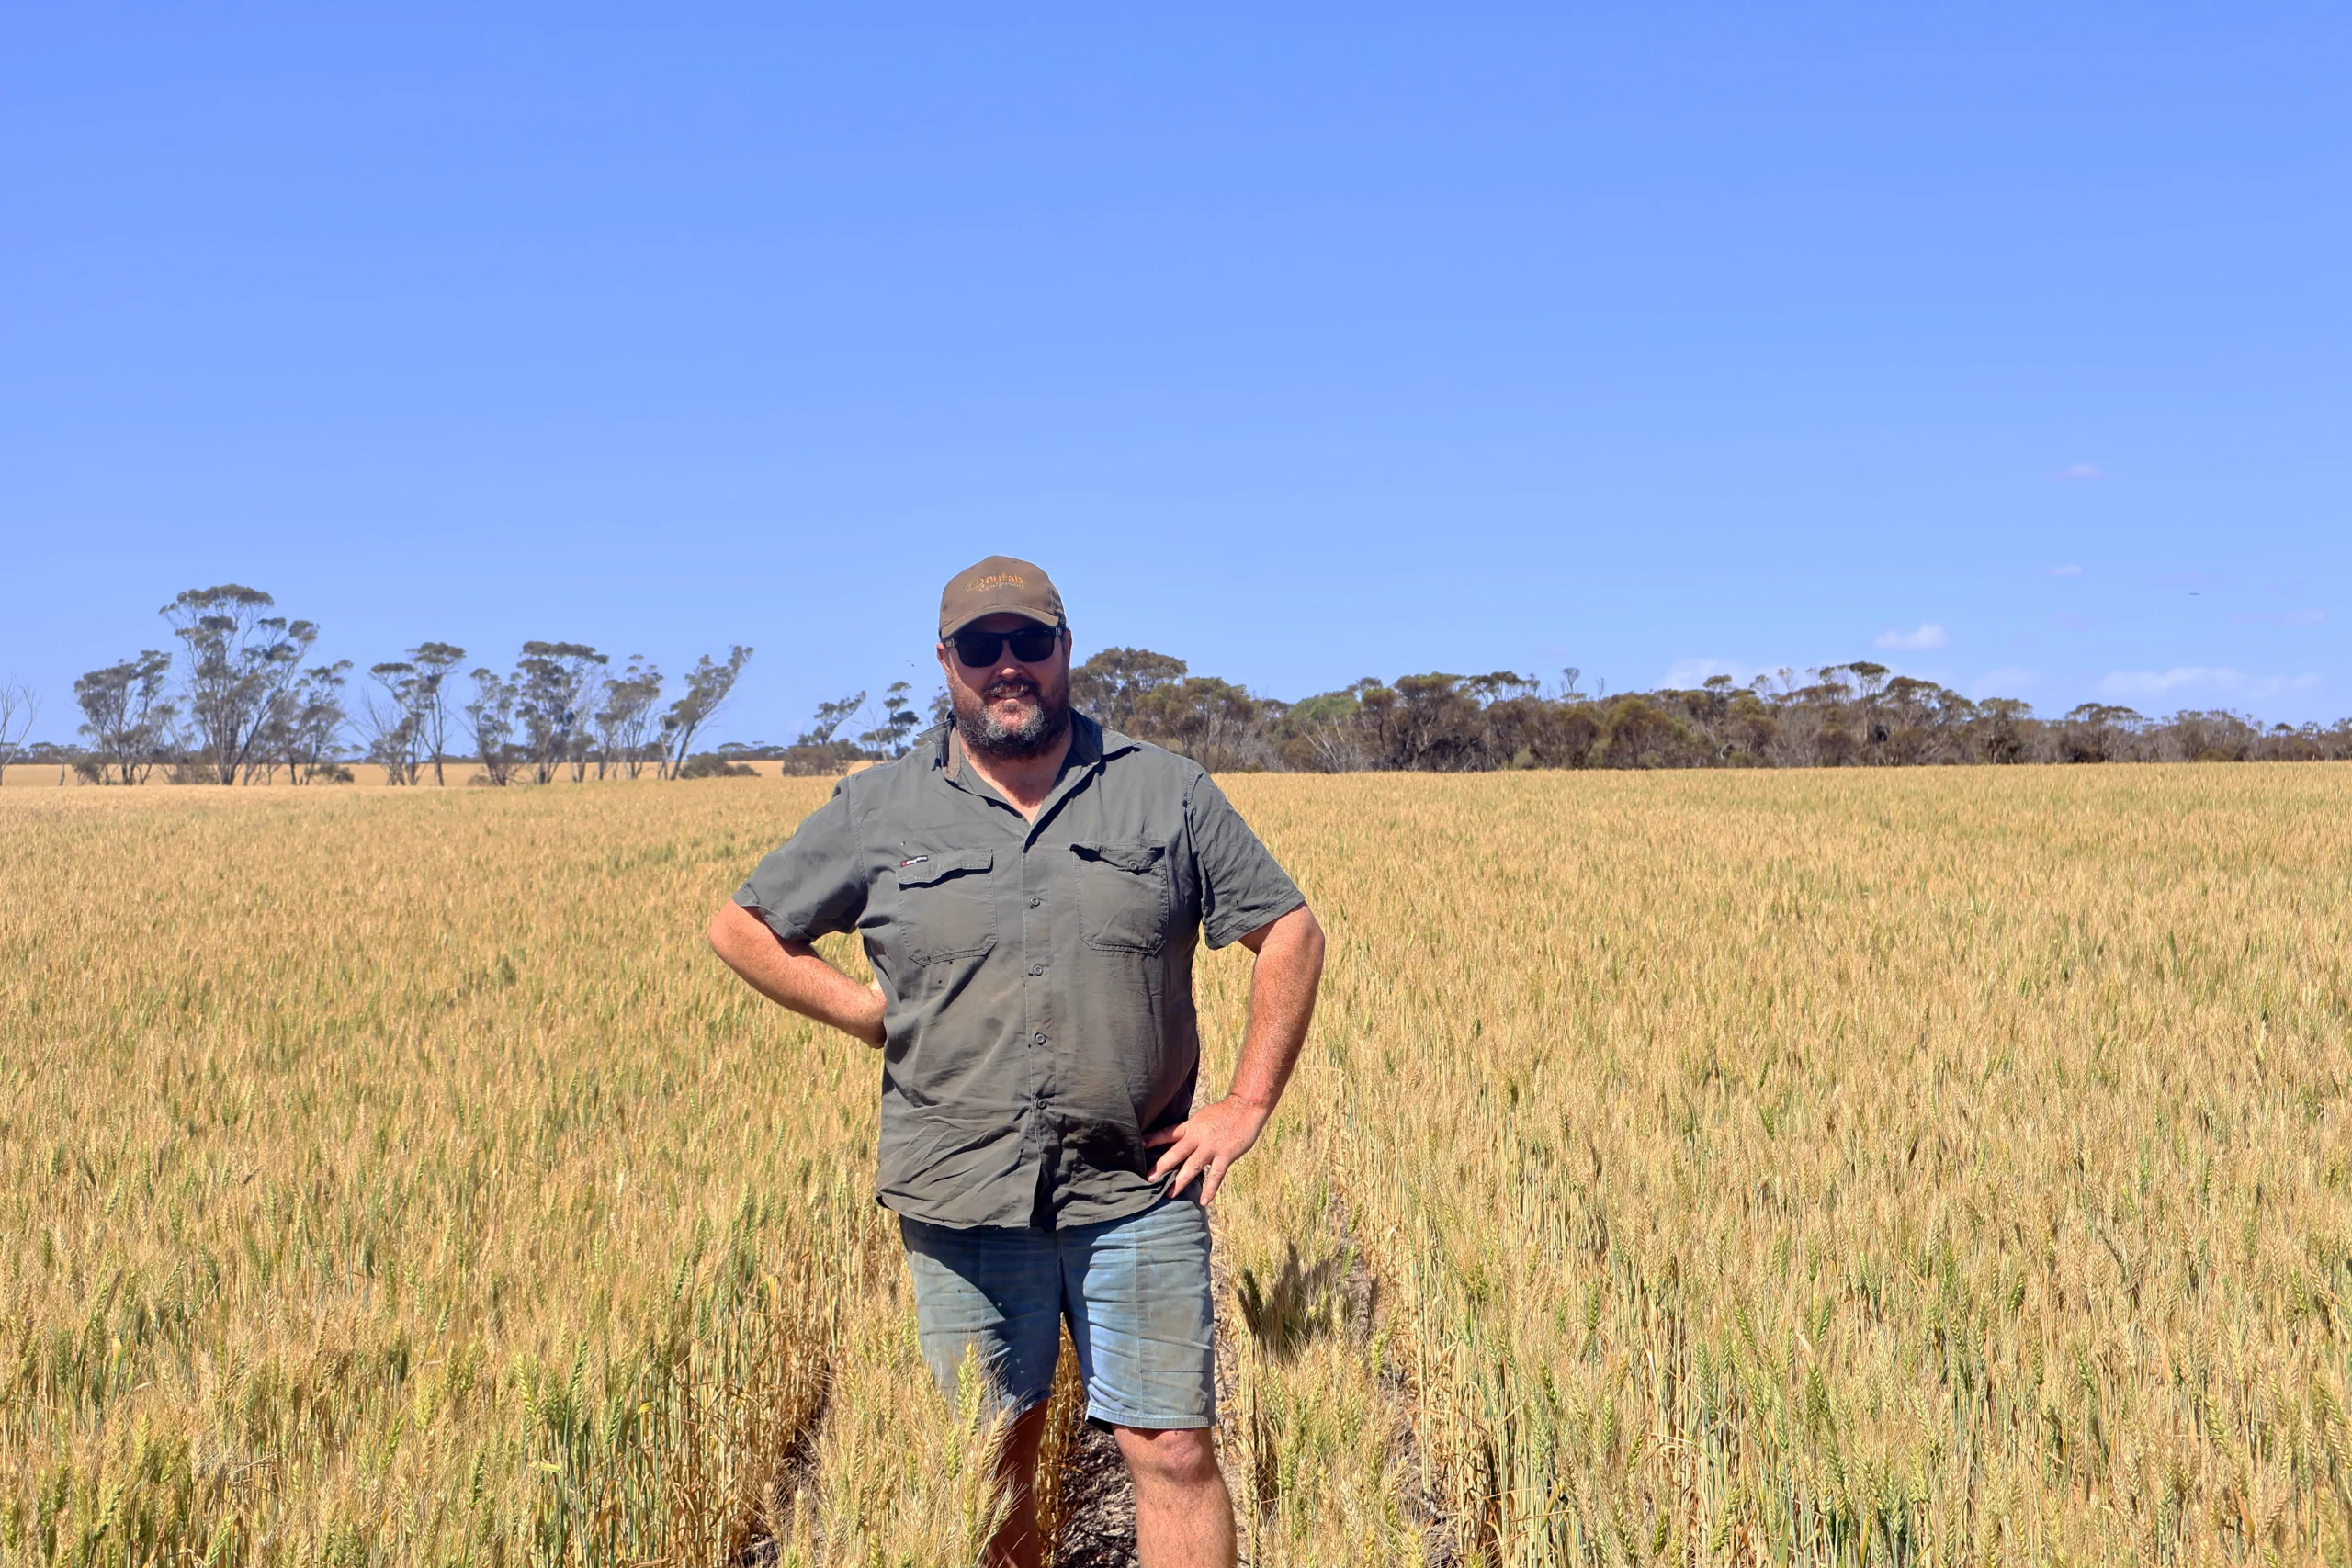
(792, 974)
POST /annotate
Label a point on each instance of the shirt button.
(1034, 901)
(1037, 1040)
(1037, 969)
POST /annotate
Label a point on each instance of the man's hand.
(1206, 1143)
(793, 974)
(1282, 1001)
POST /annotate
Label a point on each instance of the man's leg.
(1183, 1515)
(1142, 1320)
(1015, 1543)
(996, 1292)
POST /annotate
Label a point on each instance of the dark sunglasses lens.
(978, 650)
(1034, 643)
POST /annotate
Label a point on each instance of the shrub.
(711, 765)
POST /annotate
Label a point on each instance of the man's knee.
(1024, 1435)
(1180, 1457)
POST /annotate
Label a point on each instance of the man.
(1029, 886)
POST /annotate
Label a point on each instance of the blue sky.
(2007, 345)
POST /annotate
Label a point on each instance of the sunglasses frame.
(998, 651)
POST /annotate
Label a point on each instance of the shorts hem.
(1189, 1422)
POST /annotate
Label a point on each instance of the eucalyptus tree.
(126, 716)
(889, 738)
(311, 723)
(18, 708)
(241, 663)
(1113, 685)
(707, 684)
(489, 718)
(433, 662)
(625, 722)
(556, 686)
(831, 717)
(389, 725)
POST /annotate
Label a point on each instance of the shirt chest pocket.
(1123, 896)
(944, 906)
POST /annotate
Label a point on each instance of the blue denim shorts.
(1136, 1292)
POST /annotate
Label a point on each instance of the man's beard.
(1036, 732)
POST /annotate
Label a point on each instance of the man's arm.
(1281, 1003)
(792, 974)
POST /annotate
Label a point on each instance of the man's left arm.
(1282, 981)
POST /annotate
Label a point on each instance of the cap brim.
(982, 615)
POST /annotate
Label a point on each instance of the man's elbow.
(1311, 935)
(726, 930)
(1302, 936)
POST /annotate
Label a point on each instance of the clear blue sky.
(1304, 344)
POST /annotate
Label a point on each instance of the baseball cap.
(998, 585)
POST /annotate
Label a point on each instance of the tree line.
(1851, 715)
(236, 702)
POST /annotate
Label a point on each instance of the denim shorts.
(1136, 1292)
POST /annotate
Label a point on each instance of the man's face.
(1008, 706)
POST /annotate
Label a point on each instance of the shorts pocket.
(1123, 896)
(945, 907)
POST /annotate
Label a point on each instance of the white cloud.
(2004, 681)
(2206, 680)
(2069, 570)
(2076, 472)
(1688, 674)
(2164, 683)
(1927, 635)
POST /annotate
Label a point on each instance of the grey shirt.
(1038, 976)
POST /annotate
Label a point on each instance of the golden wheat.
(1906, 1167)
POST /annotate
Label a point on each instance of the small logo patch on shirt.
(919, 860)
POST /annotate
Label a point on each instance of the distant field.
(1893, 1166)
(23, 776)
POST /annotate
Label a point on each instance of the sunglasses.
(1031, 645)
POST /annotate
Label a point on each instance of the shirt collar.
(1089, 743)
(1089, 746)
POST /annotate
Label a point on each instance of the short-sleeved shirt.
(1038, 976)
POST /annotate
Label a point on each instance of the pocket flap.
(1127, 857)
(926, 866)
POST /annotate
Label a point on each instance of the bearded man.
(1030, 888)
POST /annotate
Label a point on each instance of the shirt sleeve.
(1242, 886)
(814, 884)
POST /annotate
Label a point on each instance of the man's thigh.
(1141, 1317)
(992, 1289)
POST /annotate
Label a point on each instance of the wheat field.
(1906, 1167)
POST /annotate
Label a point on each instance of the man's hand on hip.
(1283, 977)
(1206, 1143)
